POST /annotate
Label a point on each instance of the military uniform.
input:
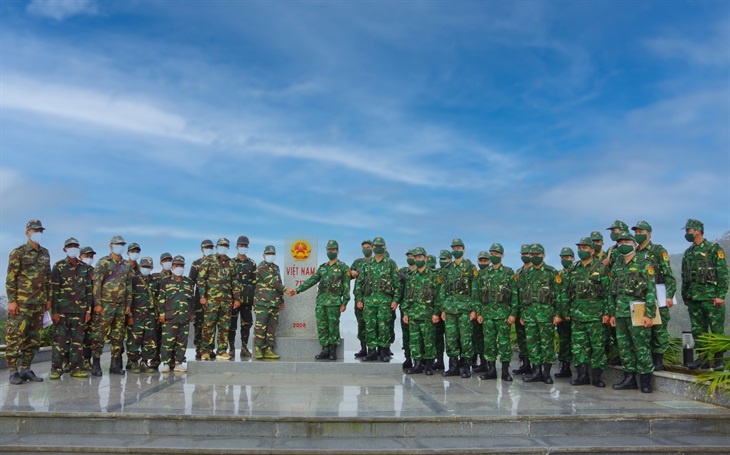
(175, 303)
(87, 325)
(357, 266)
(477, 331)
(404, 273)
(246, 273)
(439, 329)
(197, 307)
(419, 304)
(141, 335)
(597, 237)
(155, 286)
(564, 327)
(520, 336)
(611, 256)
(268, 298)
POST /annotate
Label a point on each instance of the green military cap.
(525, 249)
(567, 252)
(378, 241)
(694, 224)
(445, 254)
(118, 239)
(133, 246)
(34, 224)
(179, 260)
(587, 241)
(333, 244)
(418, 250)
(642, 225)
(146, 262)
(367, 242)
(483, 255)
(410, 252)
(242, 240)
(536, 248)
(457, 242)
(626, 236)
(595, 235)
(431, 260)
(206, 244)
(223, 241)
(269, 249)
(497, 247)
(87, 250)
(165, 256)
(70, 241)
(618, 224)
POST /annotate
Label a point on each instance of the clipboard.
(638, 310)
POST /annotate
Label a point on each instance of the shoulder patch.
(348, 272)
(650, 270)
(559, 279)
(665, 256)
(720, 254)
(516, 277)
(476, 273)
(438, 278)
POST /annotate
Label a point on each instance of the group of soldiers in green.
(462, 310)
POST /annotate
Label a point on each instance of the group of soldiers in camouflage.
(457, 309)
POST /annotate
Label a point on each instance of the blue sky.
(512, 122)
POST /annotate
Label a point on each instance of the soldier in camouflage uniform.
(632, 280)
(141, 334)
(565, 353)
(219, 295)
(246, 272)
(597, 239)
(420, 313)
(268, 302)
(71, 302)
(617, 228)
(175, 309)
(659, 258)
(431, 262)
(112, 304)
(495, 292)
(206, 247)
(704, 286)
(333, 293)
(439, 329)
(458, 311)
(87, 254)
(355, 268)
(520, 279)
(378, 289)
(584, 301)
(166, 264)
(477, 330)
(404, 273)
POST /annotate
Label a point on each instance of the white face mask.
(73, 253)
(207, 251)
(117, 249)
(37, 237)
(134, 257)
(222, 250)
(178, 271)
(167, 265)
(269, 258)
(242, 250)
(87, 261)
(145, 271)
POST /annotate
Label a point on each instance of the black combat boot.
(719, 363)
(524, 368)
(535, 376)
(333, 352)
(15, 378)
(324, 355)
(385, 354)
(597, 381)
(408, 362)
(453, 367)
(439, 364)
(546, 378)
(416, 369)
(615, 362)
(628, 383)
(645, 381)
(700, 362)
(116, 366)
(564, 370)
(465, 369)
(428, 368)
(28, 375)
(505, 372)
(483, 365)
(490, 372)
(373, 355)
(363, 351)
(582, 378)
(658, 359)
(96, 367)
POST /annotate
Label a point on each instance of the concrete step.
(312, 366)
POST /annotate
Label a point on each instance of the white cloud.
(61, 9)
(713, 51)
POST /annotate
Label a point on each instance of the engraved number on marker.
(299, 325)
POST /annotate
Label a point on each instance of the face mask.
(640, 238)
(117, 249)
(222, 250)
(73, 253)
(37, 237)
(525, 259)
(457, 254)
(134, 257)
(566, 263)
(596, 247)
(167, 265)
(410, 261)
(145, 271)
(482, 266)
(614, 236)
(269, 258)
(87, 261)
(420, 264)
(626, 249)
(367, 252)
(178, 271)
(331, 255)
(207, 251)
(444, 263)
(242, 250)
(379, 250)
(583, 255)
(689, 237)
(495, 259)
(536, 260)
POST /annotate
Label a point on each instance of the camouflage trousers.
(23, 335)
(496, 334)
(540, 337)
(328, 324)
(634, 347)
(521, 341)
(704, 317)
(378, 321)
(267, 319)
(109, 325)
(198, 326)
(141, 339)
(87, 338)
(360, 324)
(68, 341)
(660, 333)
(588, 339)
(157, 333)
(459, 335)
(391, 326)
(246, 313)
(609, 338)
(216, 315)
(477, 337)
(439, 331)
(174, 341)
(420, 332)
(565, 351)
(405, 333)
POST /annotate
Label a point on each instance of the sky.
(511, 122)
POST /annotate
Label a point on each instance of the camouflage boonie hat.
(586, 241)
(70, 241)
(146, 262)
(537, 249)
(223, 241)
(367, 242)
(133, 246)
(418, 250)
(179, 260)
(626, 236)
(87, 250)
(457, 242)
(206, 244)
(595, 235)
(567, 252)
(378, 241)
(483, 255)
(694, 224)
(497, 247)
(642, 225)
(34, 224)
(333, 244)
(242, 240)
(269, 249)
(525, 249)
(445, 254)
(118, 239)
(618, 224)
(165, 256)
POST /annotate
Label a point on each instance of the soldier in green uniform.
(632, 281)
(71, 302)
(404, 273)
(333, 293)
(420, 313)
(141, 334)
(565, 352)
(133, 254)
(584, 301)
(495, 290)
(539, 315)
(355, 268)
(268, 302)
(617, 228)
(431, 262)
(206, 247)
(246, 272)
(597, 239)
(477, 331)
(458, 311)
(520, 279)
(166, 264)
(87, 254)
(704, 286)
(175, 309)
(378, 288)
(659, 258)
(439, 329)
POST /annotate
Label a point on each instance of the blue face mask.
(222, 250)
(117, 249)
